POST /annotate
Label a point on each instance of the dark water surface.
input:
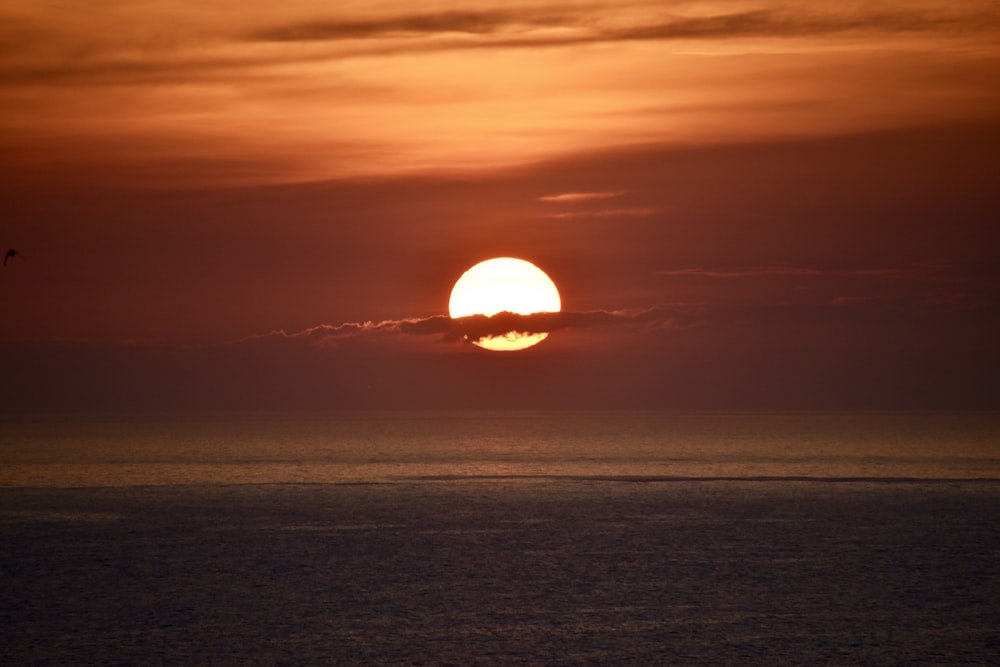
(528, 550)
(503, 572)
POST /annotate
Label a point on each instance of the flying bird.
(11, 254)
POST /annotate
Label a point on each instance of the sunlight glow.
(505, 284)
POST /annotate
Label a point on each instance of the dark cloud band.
(476, 327)
(512, 28)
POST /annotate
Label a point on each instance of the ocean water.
(501, 538)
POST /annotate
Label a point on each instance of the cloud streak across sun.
(914, 291)
(475, 327)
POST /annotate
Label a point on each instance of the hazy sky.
(744, 203)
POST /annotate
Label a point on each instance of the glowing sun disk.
(505, 284)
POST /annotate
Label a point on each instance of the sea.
(500, 538)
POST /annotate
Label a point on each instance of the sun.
(505, 284)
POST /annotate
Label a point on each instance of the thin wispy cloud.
(910, 288)
(844, 301)
(471, 22)
(768, 23)
(606, 213)
(577, 209)
(933, 272)
(745, 272)
(574, 197)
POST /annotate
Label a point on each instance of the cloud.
(574, 197)
(476, 327)
(471, 22)
(904, 288)
(329, 334)
(96, 49)
(479, 326)
(745, 272)
(919, 272)
(842, 301)
(768, 23)
(581, 198)
(606, 213)
(597, 24)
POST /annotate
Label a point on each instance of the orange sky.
(744, 203)
(293, 91)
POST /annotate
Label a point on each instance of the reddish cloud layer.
(265, 93)
(593, 24)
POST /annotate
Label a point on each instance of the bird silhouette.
(10, 255)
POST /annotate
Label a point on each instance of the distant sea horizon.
(371, 446)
